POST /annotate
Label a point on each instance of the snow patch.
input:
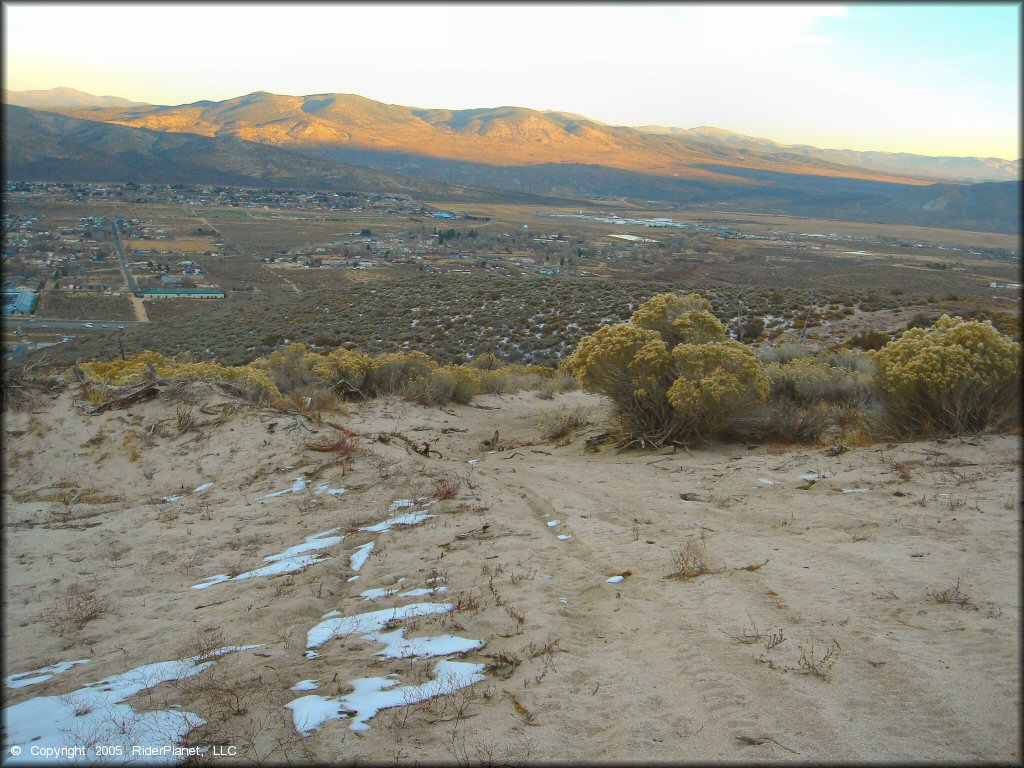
(40, 675)
(359, 557)
(369, 622)
(96, 713)
(372, 694)
(298, 485)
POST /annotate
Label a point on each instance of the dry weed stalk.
(819, 666)
(447, 486)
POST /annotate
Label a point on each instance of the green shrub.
(390, 373)
(716, 383)
(291, 368)
(805, 381)
(870, 340)
(684, 389)
(960, 376)
(465, 382)
(488, 361)
(344, 371)
(784, 353)
(662, 312)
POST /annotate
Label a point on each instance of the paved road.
(43, 324)
(132, 285)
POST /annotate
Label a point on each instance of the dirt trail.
(652, 668)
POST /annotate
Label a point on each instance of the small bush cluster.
(296, 376)
(958, 377)
(807, 380)
(670, 371)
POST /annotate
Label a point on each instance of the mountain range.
(523, 152)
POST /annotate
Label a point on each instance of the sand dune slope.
(654, 667)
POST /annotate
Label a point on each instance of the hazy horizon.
(938, 80)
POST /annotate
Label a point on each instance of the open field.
(66, 305)
(188, 244)
(752, 222)
(451, 315)
(823, 623)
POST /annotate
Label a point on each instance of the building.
(182, 293)
(19, 302)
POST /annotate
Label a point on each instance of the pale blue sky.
(924, 78)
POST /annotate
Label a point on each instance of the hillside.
(166, 545)
(65, 98)
(952, 169)
(40, 145)
(502, 154)
(502, 136)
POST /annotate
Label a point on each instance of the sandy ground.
(655, 668)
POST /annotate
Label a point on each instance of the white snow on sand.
(398, 647)
(410, 518)
(379, 592)
(359, 557)
(325, 488)
(40, 675)
(203, 487)
(372, 694)
(615, 579)
(298, 485)
(420, 591)
(553, 523)
(305, 685)
(565, 536)
(368, 622)
(289, 561)
(97, 714)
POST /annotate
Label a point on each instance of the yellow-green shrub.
(960, 376)
(686, 388)
(465, 382)
(716, 383)
(391, 372)
(344, 371)
(291, 368)
(661, 312)
(251, 380)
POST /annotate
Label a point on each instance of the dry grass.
(563, 422)
(691, 561)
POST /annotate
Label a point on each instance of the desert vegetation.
(298, 378)
(958, 377)
(675, 378)
(526, 320)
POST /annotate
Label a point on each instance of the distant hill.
(500, 136)
(66, 97)
(502, 153)
(990, 207)
(44, 146)
(955, 169)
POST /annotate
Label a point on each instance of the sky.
(932, 79)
